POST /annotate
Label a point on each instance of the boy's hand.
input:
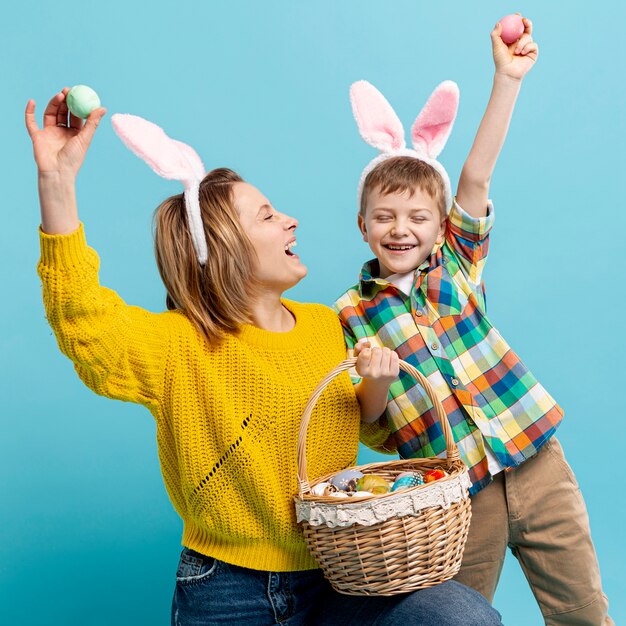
(376, 364)
(378, 368)
(514, 60)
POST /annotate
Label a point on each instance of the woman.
(225, 372)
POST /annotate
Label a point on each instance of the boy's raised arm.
(512, 63)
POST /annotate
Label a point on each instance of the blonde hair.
(403, 174)
(215, 296)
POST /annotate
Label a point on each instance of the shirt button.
(418, 314)
(455, 382)
(435, 346)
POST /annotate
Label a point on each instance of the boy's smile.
(401, 230)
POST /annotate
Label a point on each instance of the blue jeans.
(210, 592)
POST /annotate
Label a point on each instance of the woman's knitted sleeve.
(118, 350)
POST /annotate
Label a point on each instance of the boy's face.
(401, 230)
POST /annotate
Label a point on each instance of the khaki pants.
(537, 510)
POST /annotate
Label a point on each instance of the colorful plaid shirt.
(489, 395)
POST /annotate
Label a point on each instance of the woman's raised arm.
(59, 149)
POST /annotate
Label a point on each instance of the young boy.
(422, 300)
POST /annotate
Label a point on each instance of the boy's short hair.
(404, 174)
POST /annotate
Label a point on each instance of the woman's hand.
(514, 60)
(59, 147)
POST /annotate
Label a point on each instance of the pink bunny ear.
(432, 126)
(192, 158)
(169, 158)
(377, 121)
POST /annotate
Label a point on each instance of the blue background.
(87, 534)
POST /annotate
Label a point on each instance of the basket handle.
(452, 452)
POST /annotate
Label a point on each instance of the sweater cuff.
(64, 250)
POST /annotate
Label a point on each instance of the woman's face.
(271, 233)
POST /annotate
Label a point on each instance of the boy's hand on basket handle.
(378, 368)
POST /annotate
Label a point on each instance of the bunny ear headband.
(170, 159)
(380, 127)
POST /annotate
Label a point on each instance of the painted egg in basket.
(323, 489)
(342, 479)
(361, 494)
(407, 481)
(373, 483)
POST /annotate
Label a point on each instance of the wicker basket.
(394, 542)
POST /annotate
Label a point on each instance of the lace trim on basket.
(373, 511)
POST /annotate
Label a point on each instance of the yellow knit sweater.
(227, 417)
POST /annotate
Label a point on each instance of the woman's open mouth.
(288, 247)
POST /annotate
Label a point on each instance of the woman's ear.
(362, 227)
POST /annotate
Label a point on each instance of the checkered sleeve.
(348, 335)
(468, 238)
(350, 340)
(377, 435)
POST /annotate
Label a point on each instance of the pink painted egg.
(512, 28)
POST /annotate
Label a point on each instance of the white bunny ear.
(432, 126)
(192, 158)
(377, 121)
(169, 158)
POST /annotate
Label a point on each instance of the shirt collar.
(370, 281)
